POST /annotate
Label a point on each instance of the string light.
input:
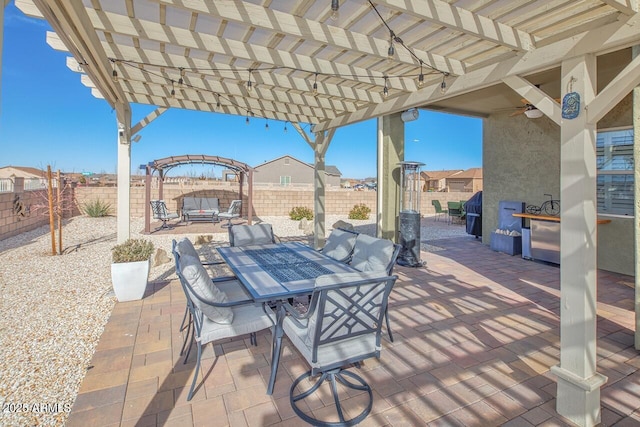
(218, 101)
(173, 91)
(181, 79)
(315, 85)
(247, 120)
(421, 76)
(335, 7)
(385, 91)
(114, 73)
(249, 84)
(266, 125)
(285, 127)
(443, 85)
(392, 51)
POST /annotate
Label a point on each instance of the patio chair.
(341, 327)
(455, 211)
(340, 244)
(215, 314)
(160, 211)
(232, 212)
(439, 211)
(257, 234)
(373, 254)
(185, 247)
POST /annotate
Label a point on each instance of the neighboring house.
(437, 180)
(287, 170)
(21, 172)
(469, 180)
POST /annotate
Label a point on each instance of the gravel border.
(54, 308)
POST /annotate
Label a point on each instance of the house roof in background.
(27, 170)
(328, 169)
(472, 173)
(439, 174)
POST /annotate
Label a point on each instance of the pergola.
(333, 63)
(163, 166)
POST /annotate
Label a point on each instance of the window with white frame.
(615, 187)
(285, 180)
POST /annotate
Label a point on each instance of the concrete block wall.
(266, 202)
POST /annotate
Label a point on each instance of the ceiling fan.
(528, 110)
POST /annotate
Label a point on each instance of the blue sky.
(48, 117)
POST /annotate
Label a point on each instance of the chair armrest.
(212, 263)
(223, 279)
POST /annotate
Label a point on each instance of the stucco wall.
(299, 172)
(521, 161)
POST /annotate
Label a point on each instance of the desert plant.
(360, 211)
(299, 212)
(96, 208)
(132, 250)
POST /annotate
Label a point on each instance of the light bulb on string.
(114, 73)
(247, 120)
(392, 51)
(173, 90)
(315, 85)
(181, 79)
(266, 125)
(421, 77)
(285, 127)
(249, 84)
(443, 84)
(335, 10)
(218, 101)
(385, 91)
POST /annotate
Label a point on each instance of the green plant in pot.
(130, 268)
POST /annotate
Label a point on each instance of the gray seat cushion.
(244, 235)
(340, 244)
(195, 274)
(246, 319)
(371, 253)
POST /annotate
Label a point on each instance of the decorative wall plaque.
(571, 105)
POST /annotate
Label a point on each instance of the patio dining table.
(273, 273)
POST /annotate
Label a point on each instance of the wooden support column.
(578, 392)
(147, 199)
(3, 4)
(636, 155)
(320, 186)
(124, 175)
(250, 197)
(390, 152)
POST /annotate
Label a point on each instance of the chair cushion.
(185, 247)
(244, 235)
(371, 253)
(196, 275)
(334, 279)
(246, 319)
(339, 244)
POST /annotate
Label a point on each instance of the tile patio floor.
(476, 332)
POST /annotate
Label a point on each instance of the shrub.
(360, 211)
(132, 250)
(96, 208)
(300, 212)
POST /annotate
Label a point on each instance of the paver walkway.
(475, 335)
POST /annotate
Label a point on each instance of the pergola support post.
(578, 392)
(3, 4)
(635, 52)
(390, 153)
(124, 175)
(147, 199)
(320, 187)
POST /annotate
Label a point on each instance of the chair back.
(436, 204)
(245, 235)
(347, 306)
(340, 244)
(234, 207)
(159, 209)
(373, 254)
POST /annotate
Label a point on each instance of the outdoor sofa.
(200, 208)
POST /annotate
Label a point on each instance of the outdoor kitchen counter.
(552, 218)
(545, 236)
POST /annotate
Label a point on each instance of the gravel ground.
(54, 308)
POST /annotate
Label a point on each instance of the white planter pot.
(130, 279)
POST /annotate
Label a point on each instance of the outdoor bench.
(197, 208)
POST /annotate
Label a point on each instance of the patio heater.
(410, 190)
